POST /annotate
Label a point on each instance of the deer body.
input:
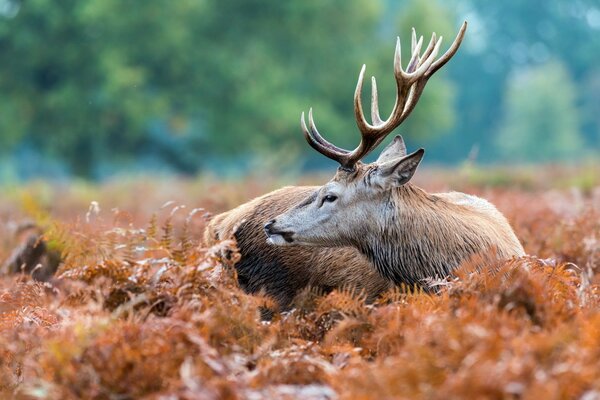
(419, 235)
(282, 272)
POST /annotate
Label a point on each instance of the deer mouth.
(280, 238)
(276, 236)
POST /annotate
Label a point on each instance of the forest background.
(103, 88)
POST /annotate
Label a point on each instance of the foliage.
(141, 310)
(88, 80)
(505, 38)
(91, 88)
(540, 126)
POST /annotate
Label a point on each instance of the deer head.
(359, 193)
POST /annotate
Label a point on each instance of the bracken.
(139, 310)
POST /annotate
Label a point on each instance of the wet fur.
(422, 235)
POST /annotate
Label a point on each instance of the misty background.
(99, 88)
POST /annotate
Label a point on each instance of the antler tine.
(450, 52)
(371, 135)
(402, 84)
(317, 142)
(429, 48)
(411, 77)
(315, 133)
(361, 122)
(375, 118)
(398, 58)
(415, 59)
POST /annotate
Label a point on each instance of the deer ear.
(397, 172)
(393, 151)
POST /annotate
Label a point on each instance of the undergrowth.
(140, 309)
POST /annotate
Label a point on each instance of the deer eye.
(330, 198)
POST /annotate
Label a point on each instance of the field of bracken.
(140, 308)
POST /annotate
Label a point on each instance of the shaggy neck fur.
(421, 235)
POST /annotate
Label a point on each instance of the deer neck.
(416, 238)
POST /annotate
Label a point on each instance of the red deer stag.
(283, 271)
(407, 234)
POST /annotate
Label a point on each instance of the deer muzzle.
(277, 236)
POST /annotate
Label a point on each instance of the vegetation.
(540, 126)
(140, 310)
(96, 87)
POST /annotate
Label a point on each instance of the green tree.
(100, 82)
(94, 80)
(541, 121)
(507, 35)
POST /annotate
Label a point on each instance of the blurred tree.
(508, 35)
(90, 80)
(591, 107)
(106, 83)
(540, 125)
(276, 59)
(93, 80)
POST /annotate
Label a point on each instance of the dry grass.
(141, 310)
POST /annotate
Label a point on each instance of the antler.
(409, 84)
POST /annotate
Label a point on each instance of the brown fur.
(283, 271)
(435, 233)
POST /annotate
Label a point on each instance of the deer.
(283, 271)
(408, 235)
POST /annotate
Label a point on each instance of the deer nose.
(268, 226)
